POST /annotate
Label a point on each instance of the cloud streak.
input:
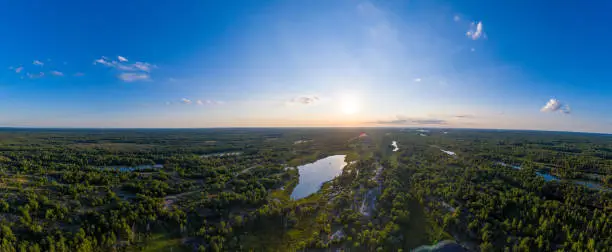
(198, 102)
(35, 76)
(131, 77)
(38, 63)
(402, 120)
(16, 69)
(464, 116)
(304, 100)
(56, 73)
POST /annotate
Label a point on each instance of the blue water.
(313, 175)
(547, 177)
(592, 185)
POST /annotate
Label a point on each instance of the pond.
(313, 175)
(592, 185)
(548, 177)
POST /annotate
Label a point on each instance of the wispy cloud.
(38, 63)
(476, 31)
(79, 74)
(143, 66)
(130, 72)
(417, 80)
(103, 61)
(198, 102)
(35, 76)
(56, 73)
(554, 105)
(429, 121)
(17, 69)
(306, 100)
(186, 101)
(464, 116)
(131, 77)
(456, 18)
(403, 120)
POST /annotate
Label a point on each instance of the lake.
(313, 175)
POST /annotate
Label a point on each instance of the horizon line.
(291, 127)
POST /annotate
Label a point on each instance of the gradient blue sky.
(477, 64)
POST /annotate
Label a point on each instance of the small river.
(313, 175)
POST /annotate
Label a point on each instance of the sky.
(541, 65)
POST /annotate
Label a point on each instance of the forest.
(230, 190)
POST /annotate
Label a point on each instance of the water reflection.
(394, 144)
(313, 175)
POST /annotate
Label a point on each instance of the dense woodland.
(228, 190)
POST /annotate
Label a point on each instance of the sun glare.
(349, 105)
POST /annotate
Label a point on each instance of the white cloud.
(476, 31)
(38, 63)
(19, 69)
(138, 66)
(129, 72)
(456, 18)
(554, 105)
(56, 73)
(143, 66)
(186, 101)
(131, 77)
(306, 100)
(103, 61)
(123, 67)
(199, 102)
(36, 76)
(417, 80)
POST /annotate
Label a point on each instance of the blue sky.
(477, 64)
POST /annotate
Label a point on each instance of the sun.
(349, 105)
